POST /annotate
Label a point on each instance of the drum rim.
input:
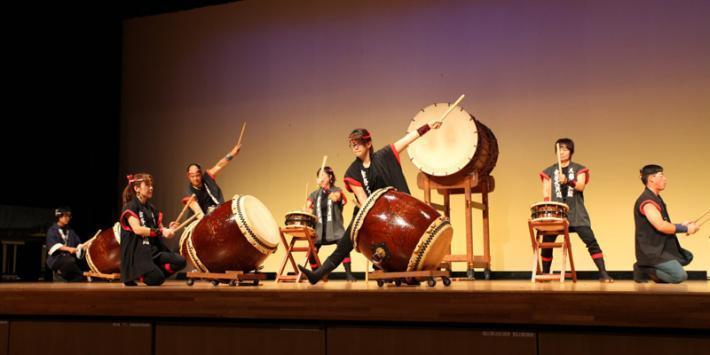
(459, 166)
(244, 225)
(364, 211)
(87, 254)
(434, 232)
(301, 213)
(542, 203)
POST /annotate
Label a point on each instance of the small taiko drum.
(298, 218)
(548, 211)
(104, 251)
(237, 236)
(397, 232)
(461, 146)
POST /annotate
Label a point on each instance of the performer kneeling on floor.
(568, 187)
(659, 256)
(144, 256)
(204, 185)
(65, 248)
(369, 172)
(327, 203)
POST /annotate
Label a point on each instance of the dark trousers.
(165, 264)
(69, 268)
(584, 233)
(343, 249)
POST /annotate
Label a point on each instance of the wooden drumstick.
(451, 108)
(305, 201)
(241, 134)
(701, 216)
(322, 165)
(183, 224)
(559, 160)
(187, 204)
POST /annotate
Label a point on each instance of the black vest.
(654, 247)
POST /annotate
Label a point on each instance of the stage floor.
(585, 303)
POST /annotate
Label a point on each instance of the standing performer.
(65, 248)
(369, 172)
(658, 253)
(204, 186)
(568, 188)
(327, 204)
(144, 256)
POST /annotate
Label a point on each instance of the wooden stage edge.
(586, 303)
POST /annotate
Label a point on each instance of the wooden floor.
(586, 303)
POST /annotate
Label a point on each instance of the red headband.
(131, 179)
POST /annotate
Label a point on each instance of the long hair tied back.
(133, 181)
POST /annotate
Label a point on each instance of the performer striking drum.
(144, 256)
(65, 248)
(204, 185)
(658, 253)
(369, 172)
(568, 187)
(327, 203)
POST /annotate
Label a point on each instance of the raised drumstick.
(241, 134)
(559, 160)
(187, 221)
(701, 216)
(187, 204)
(304, 203)
(451, 108)
(322, 165)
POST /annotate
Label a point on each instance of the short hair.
(59, 212)
(567, 142)
(648, 170)
(193, 164)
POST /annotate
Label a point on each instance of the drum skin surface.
(461, 146)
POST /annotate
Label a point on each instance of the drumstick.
(241, 134)
(451, 108)
(701, 216)
(559, 160)
(187, 221)
(187, 204)
(322, 165)
(306, 200)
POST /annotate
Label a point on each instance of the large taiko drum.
(237, 236)
(400, 233)
(461, 146)
(104, 251)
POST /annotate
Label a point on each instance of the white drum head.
(450, 148)
(261, 221)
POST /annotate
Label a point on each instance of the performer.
(568, 188)
(369, 172)
(204, 186)
(659, 256)
(327, 204)
(144, 256)
(65, 248)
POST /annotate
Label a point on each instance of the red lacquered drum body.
(104, 252)
(400, 233)
(238, 235)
